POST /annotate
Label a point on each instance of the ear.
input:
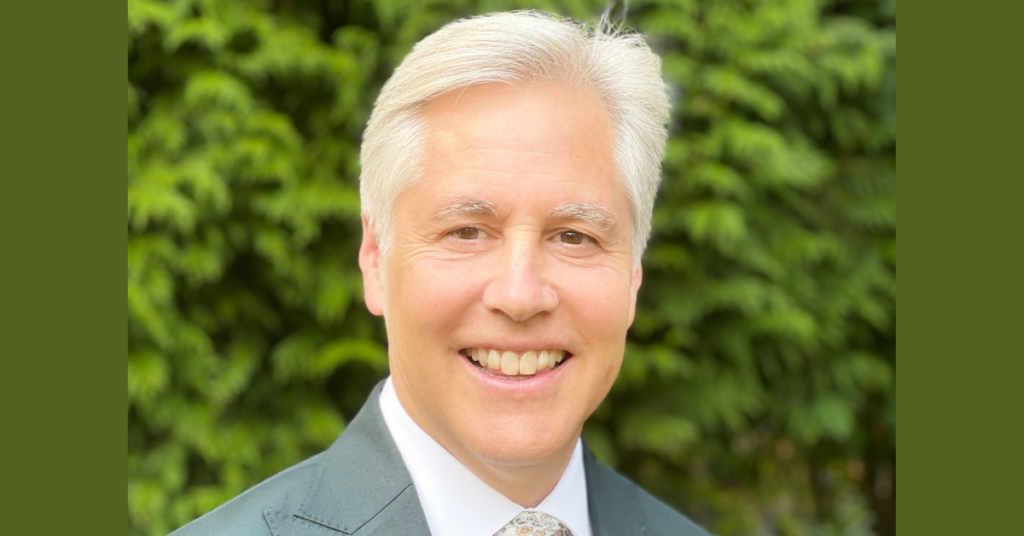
(638, 277)
(369, 263)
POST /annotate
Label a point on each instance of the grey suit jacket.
(360, 486)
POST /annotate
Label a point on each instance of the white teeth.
(512, 364)
(528, 363)
(509, 364)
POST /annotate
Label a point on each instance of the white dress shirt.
(455, 501)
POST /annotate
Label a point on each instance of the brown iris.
(572, 237)
(467, 233)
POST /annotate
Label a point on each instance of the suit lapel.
(361, 486)
(612, 500)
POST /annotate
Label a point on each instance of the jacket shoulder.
(243, 515)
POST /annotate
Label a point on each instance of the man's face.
(516, 239)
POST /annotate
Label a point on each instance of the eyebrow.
(462, 206)
(596, 214)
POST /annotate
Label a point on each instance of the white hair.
(510, 48)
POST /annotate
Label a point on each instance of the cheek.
(433, 296)
(599, 304)
(599, 299)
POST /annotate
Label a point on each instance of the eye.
(468, 233)
(574, 237)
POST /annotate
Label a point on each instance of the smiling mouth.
(515, 366)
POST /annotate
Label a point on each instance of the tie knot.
(534, 523)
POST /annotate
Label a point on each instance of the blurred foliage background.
(757, 393)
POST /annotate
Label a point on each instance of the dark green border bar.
(63, 251)
(959, 352)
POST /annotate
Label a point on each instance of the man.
(509, 173)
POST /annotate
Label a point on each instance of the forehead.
(542, 139)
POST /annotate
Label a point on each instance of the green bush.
(757, 393)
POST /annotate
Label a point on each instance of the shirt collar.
(442, 481)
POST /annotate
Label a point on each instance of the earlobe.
(369, 263)
(638, 276)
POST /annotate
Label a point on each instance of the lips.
(515, 365)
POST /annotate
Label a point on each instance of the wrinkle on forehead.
(548, 148)
(519, 127)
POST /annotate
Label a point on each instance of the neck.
(525, 482)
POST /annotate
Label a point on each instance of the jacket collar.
(361, 485)
(613, 501)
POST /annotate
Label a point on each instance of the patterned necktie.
(534, 523)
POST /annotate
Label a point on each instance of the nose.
(518, 287)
